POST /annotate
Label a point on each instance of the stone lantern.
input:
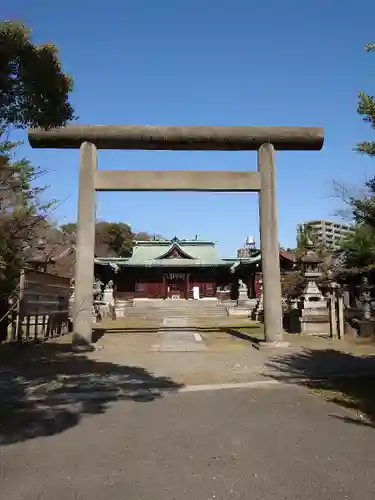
(314, 312)
(310, 263)
(311, 295)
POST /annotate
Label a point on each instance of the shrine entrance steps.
(160, 309)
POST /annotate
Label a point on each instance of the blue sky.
(215, 62)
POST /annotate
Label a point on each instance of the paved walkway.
(174, 337)
(278, 443)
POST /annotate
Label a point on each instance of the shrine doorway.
(175, 286)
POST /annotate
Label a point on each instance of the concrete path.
(259, 444)
(177, 340)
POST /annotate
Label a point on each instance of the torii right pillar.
(269, 244)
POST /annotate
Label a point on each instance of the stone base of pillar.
(269, 346)
(248, 303)
(86, 347)
(239, 312)
(366, 328)
(242, 309)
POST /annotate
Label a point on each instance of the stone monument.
(243, 297)
(244, 305)
(108, 293)
(108, 307)
(366, 323)
(258, 309)
(97, 289)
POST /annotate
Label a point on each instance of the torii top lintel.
(193, 138)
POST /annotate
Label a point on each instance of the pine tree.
(359, 246)
(366, 108)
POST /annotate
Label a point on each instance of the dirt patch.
(231, 337)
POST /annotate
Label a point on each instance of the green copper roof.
(158, 253)
(177, 263)
(191, 253)
(191, 250)
(246, 261)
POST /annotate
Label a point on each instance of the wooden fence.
(40, 309)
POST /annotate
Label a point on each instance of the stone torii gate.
(265, 140)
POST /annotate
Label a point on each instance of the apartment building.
(328, 233)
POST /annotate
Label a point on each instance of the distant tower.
(248, 248)
(250, 242)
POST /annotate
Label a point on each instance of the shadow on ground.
(253, 335)
(44, 389)
(339, 377)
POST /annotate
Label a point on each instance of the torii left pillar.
(85, 247)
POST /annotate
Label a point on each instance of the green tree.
(366, 108)
(359, 246)
(142, 236)
(117, 237)
(69, 230)
(304, 236)
(363, 208)
(34, 91)
(21, 211)
(111, 238)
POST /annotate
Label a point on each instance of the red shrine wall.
(160, 283)
(258, 284)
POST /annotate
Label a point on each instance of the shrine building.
(181, 269)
